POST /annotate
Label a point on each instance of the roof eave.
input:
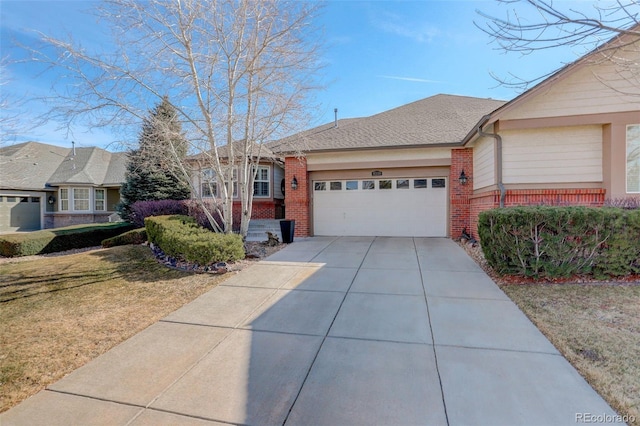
(373, 148)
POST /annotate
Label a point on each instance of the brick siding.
(534, 197)
(297, 201)
(460, 207)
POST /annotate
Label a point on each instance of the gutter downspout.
(498, 139)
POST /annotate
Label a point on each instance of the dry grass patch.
(595, 325)
(58, 313)
(597, 328)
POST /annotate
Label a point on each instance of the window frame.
(103, 199)
(63, 198)
(256, 172)
(77, 199)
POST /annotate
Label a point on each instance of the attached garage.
(20, 213)
(393, 207)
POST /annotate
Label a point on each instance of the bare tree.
(543, 24)
(238, 72)
(11, 123)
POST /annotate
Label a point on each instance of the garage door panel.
(412, 211)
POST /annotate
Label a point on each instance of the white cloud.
(414, 79)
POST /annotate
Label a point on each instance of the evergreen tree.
(153, 170)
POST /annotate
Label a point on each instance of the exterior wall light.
(463, 178)
(294, 183)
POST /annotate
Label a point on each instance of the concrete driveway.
(333, 331)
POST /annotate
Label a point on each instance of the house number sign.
(376, 173)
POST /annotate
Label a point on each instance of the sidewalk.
(335, 331)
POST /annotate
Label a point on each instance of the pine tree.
(153, 169)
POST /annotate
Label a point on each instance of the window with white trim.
(261, 182)
(633, 159)
(64, 199)
(81, 199)
(100, 200)
(209, 186)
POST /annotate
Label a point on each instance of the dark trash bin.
(287, 227)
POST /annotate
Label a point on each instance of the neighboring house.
(268, 186)
(46, 186)
(430, 167)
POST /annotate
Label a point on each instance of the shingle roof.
(29, 165)
(34, 165)
(439, 119)
(254, 150)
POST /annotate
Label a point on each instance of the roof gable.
(625, 87)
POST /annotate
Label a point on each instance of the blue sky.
(379, 55)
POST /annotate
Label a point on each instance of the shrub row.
(561, 241)
(140, 210)
(59, 239)
(181, 237)
(135, 236)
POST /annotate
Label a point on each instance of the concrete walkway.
(332, 331)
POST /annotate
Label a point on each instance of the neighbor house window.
(633, 158)
(209, 186)
(64, 199)
(100, 200)
(81, 199)
(261, 182)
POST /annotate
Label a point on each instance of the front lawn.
(58, 313)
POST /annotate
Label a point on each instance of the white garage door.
(411, 207)
(19, 213)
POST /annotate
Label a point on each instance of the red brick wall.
(461, 159)
(261, 209)
(297, 201)
(534, 197)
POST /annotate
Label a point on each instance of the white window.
(64, 199)
(81, 199)
(209, 182)
(209, 187)
(633, 159)
(261, 182)
(100, 200)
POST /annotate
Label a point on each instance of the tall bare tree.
(238, 72)
(534, 25)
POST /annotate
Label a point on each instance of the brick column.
(460, 195)
(296, 202)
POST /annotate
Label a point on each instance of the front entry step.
(258, 229)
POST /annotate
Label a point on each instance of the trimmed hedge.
(135, 236)
(181, 237)
(561, 241)
(59, 239)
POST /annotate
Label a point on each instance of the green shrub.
(135, 236)
(561, 241)
(59, 239)
(181, 237)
